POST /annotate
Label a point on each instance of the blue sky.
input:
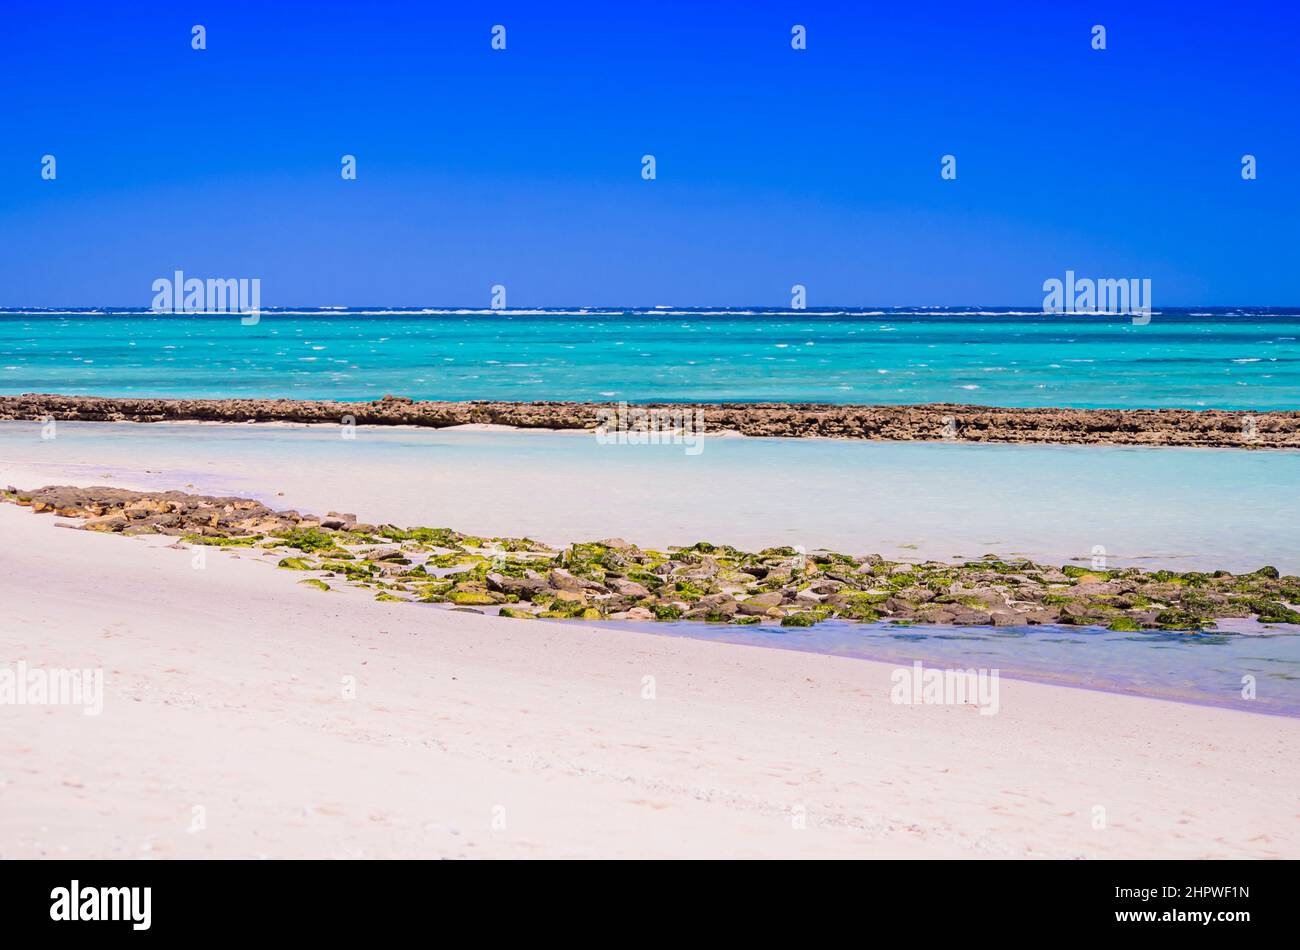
(775, 167)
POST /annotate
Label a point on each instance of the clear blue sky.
(775, 167)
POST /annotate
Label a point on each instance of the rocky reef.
(934, 422)
(616, 580)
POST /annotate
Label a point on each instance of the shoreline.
(937, 422)
(348, 587)
(1038, 677)
(233, 680)
(1052, 503)
(615, 580)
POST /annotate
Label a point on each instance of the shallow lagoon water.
(1206, 668)
(1182, 509)
(1178, 508)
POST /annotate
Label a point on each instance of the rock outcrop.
(932, 423)
(615, 580)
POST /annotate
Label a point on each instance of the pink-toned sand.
(474, 736)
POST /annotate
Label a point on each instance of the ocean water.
(1184, 509)
(1206, 358)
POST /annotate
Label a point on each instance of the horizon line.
(624, 308)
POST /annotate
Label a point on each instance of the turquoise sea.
(1178, 508)
(1202, 358)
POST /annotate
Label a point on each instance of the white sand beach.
(225, 733)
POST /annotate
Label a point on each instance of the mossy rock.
(1125, 625)
(470, 598)
(517, 614)
(703, 547)
(591, 613)
(385, 596)
(314, 582)
(509, 568)
(866, 597)
(590, 551)
(222, 542)
(803, 619)
(666, 611)
(295, 564)
(857, 610)
(588, 570)
(1270, 611)
(1182, 620)
(1079, 573)
(362, 570)
(457, 559)
(526, 545)
(690, 591)
(438, 537)
(307, 540)
(1166, 577)
(1197, 603)
(476, 574)
(435, 587)
(352, 537)
(996, 566)
(645, 579)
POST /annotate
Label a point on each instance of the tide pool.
(1210, 668)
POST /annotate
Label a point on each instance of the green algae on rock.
(707, 582)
